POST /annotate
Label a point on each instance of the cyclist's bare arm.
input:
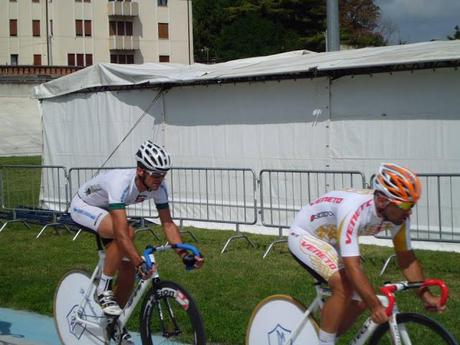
(169, 227)
(173, 235)
(361, 284)
(413, 272)
(120, 232)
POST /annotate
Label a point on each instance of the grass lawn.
(227, 288)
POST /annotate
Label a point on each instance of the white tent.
(346, 110)
(340, 110)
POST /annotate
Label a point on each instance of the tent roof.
(301, 62)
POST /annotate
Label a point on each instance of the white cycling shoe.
(126, 338)
(107, 302)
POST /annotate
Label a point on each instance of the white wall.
(20, 122)
(407, 117)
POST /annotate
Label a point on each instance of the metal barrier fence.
(33, 186)
(436, 217)
(284, 192)
(229, 196)
(215, 195)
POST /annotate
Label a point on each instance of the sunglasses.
(404, 205)
(155, 174)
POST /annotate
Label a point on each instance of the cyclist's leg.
(126, 277)
(340, 311)
(322, 258)
(99, 220)
(115, 262)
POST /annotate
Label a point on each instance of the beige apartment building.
(85, 32)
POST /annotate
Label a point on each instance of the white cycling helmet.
(153, 157)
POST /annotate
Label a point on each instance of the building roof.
(301, 63)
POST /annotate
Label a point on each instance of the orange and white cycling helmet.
(399, 184)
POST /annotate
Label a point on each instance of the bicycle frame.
(138, 291)
(136, 295)
(368, 328)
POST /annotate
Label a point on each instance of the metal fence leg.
(76, 235)
(385, 265)
(42, 230)
(279, 240)
(181, 226)
(147, 228)
(14, 221)
(238, 235)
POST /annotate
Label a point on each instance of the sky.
(419, 20)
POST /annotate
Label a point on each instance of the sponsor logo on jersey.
(354, 218)
(321, 215)
(319, 253)
(329, 199)
(140, 198)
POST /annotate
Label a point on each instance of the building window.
(164, 58)
(122, 58)
(13, 27)
(14, 58)
(163, 30)
(129, 28)
(162, 2)
(71, 59)
(88, 28)
(112, 28)
(36, 28)
(37, 60)
(51, 27)
(120, 28)
(35, 0)
(79, 59)
(79, 27)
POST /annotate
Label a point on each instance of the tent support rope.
(154, 101)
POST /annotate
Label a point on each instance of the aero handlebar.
(389, 289)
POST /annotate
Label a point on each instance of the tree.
(241, 28)
(456, 35)
(233, 29)
(359, 20)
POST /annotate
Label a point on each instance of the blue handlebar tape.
(189, 247)
(147, 253)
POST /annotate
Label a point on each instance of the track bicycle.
(168, 313)
(282, 320)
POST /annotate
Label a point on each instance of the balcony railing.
(123, 8)
(124, 42)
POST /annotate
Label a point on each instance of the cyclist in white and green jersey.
(100, 205)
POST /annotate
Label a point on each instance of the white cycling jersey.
(116, 189)
(340, 217)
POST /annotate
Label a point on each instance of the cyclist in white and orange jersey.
(324, 240)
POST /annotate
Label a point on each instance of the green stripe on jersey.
(120, 206)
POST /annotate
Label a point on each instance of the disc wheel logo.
(74, 327)
(278, 335)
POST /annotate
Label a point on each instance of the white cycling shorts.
(86, 215)
(318, 255)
